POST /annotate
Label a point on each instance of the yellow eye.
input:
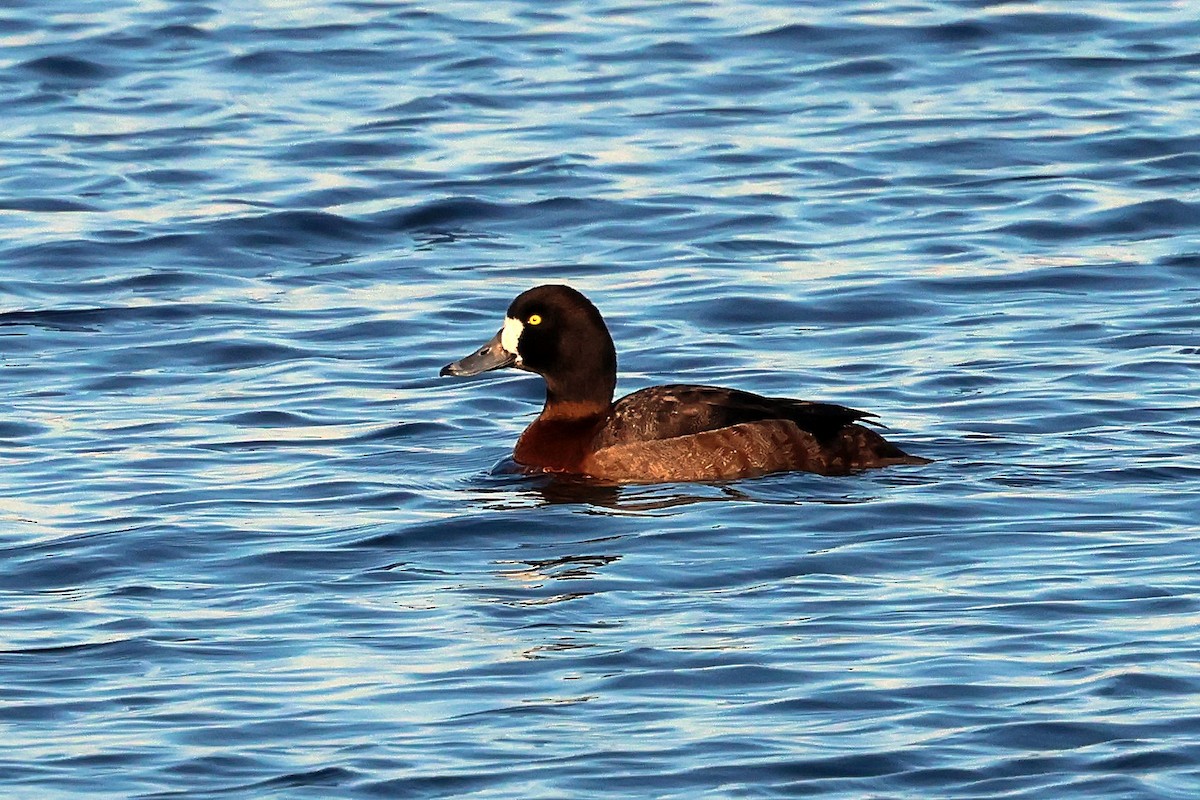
(534, 319)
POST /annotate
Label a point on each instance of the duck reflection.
(570, 567)
(507, 488)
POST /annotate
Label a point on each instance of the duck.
(669, 433)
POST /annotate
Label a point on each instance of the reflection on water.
(508, 489)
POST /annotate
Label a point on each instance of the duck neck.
(580, 397)
(559, 440)
(574, 409)
(582, 385)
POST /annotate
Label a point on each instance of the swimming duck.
(663, 433)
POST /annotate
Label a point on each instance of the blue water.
(252, 546)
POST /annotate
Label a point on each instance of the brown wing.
(665, 412)
(745, 450)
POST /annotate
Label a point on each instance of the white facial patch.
(510, 335)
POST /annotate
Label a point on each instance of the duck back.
(665, 412)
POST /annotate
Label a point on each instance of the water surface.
(253, 546)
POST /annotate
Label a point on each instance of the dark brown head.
(556, 332)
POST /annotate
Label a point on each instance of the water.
(253, 546)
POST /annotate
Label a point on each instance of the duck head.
(556, 332)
